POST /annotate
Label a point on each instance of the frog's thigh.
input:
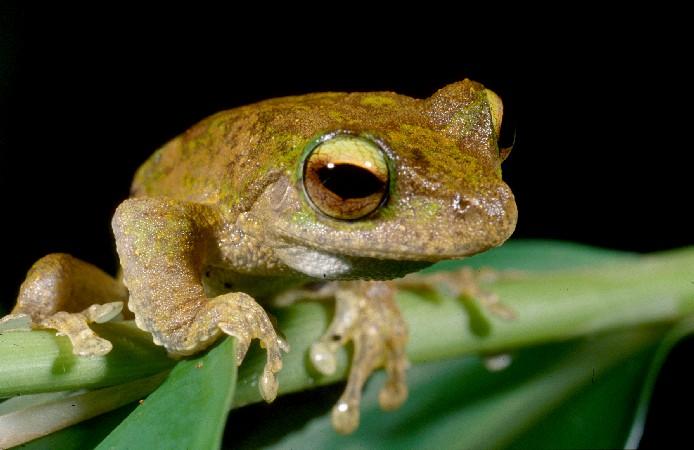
(60, 282)
(367, 314)
(66, 294)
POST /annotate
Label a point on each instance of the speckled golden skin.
(448, 199)
(218, 218)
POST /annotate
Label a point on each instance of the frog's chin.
(330, 266)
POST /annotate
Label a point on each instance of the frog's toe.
(73, 325)
(323, 358)
(268, 381)
(76, 327)
(269, 386)
(366, 314)
(394, 392)
(273, 345)
(103, 312)
(392, 395)
(91, 345)
(240, 316)
(345, 416)
(243, 342)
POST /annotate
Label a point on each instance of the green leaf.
(604, 311)
(585, 393)
(610, 412)
(189, 410)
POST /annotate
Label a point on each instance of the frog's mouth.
(406, 235)
(406, 239)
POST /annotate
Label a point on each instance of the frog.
(319, 195)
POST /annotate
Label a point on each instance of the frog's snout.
(486, 218)
(494, 203)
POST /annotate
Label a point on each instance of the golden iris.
(346, 176)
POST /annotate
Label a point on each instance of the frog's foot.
(466, 284)
(239, 315)
(76, 327)
(366, 314)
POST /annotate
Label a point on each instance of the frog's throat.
(330, 266)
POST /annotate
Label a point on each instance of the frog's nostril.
(460, 205)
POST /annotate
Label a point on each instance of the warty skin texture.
(219, 217)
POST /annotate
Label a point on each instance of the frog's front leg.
(366, 314)
(163, 246)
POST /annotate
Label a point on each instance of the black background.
(601, 108)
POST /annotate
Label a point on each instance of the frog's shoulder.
(171, 170)
(228, 156)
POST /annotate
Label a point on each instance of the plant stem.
(39, 361)
(550, 306)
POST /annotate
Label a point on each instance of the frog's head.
(384, 184)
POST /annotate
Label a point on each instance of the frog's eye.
(346, 177)
(496, 107)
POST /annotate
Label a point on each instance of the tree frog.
(256, 200)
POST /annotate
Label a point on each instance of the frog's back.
(229, 157)
(185, 167)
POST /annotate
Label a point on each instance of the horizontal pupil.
(349, 181)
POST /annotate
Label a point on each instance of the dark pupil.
(350, 181)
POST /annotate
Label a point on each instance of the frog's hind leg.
(366, 314)
(66, 294)
(466, 284)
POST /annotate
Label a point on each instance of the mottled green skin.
(447, 198)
